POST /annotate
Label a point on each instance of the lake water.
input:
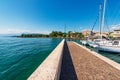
(19, 57)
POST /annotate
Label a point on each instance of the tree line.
(55, 34)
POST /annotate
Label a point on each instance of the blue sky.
(43, 16)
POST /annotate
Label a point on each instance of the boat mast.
(65, 31)
(103, 17)
(100, 19)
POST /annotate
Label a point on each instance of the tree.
(60, 34)
(69, 34)
(53, 34)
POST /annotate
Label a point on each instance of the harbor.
(79, 63)
(60, 40)
(87, 66)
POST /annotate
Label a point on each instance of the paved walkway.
(79, 64)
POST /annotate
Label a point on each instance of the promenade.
(80, 64)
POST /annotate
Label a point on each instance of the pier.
(75, 62)
(86, 66)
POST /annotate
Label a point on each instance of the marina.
(79, 63)
(74, 54)
(111, 55)
(60, 40)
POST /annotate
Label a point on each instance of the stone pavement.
(79, 64)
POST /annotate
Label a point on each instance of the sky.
(44, 16)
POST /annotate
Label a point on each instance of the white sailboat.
(94, 43)
(108, 46)
(111, 47)
(83, 42)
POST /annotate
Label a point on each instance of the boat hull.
(92, 44)
(109, 49)
(84, 42)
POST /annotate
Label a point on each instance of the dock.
(78, 63)
(85, 65)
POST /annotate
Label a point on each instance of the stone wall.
(51, 66)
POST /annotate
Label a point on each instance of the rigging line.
(116, 9)
(115, 13)
(107, 25)
(95, 22)
(107, 15)
(116, 17)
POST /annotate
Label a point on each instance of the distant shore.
(53, 34)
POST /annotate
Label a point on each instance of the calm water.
(19, 57)
(113, 56)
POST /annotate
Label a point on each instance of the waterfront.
(113, 56)
(79, 63)
(19, 57)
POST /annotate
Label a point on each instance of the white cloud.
(41, 32)
(85, 30)
(13, 31)
(81, 27)
(113, 27)
(20, 31)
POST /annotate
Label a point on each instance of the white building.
(116, 33)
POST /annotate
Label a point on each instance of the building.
(116, 33)
(86, 33)
(94, 34)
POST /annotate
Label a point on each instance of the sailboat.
(83, 42)
(91, 43)
(95, 42)
(109, 46)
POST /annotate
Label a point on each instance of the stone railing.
(51, 66)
